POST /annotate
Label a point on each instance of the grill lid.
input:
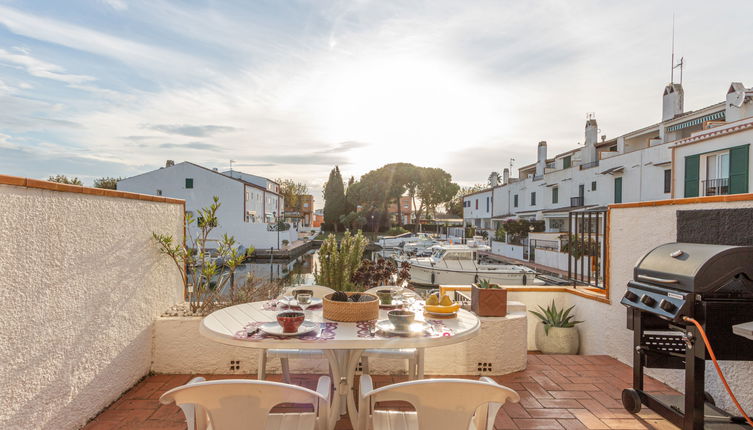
(694, 267)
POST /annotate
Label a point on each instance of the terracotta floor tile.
(570, 394)
(535, 423)
(504, 422)
(528, 401)
(624, 423)
(547, 383)
(573, 424)
(588, 419)
(537, 390)
(515, 410)
(550, 413)
(560, 403)
(102, 425)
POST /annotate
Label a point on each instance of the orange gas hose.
(718, 369)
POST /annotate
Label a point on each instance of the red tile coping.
(54, 186)
(553, 391)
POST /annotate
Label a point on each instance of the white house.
(247, 208)
(686, 154)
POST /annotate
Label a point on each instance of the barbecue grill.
(672, 284)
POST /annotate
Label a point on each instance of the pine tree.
(335, 204)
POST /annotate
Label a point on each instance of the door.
(618, 190)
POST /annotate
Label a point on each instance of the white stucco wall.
(507, 250)
(555, 259)
(81, 283)
(605, 331)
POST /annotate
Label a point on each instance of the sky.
(291, 88)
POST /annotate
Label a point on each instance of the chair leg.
(364, 365)
(261, 372)
(285, 364)
(420, 361)
(412, 369)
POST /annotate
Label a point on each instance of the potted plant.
(556, 333)
(488, 300)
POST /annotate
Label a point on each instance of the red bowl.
(290, 321)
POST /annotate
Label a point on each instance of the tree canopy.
(292, 191)
(107, 183)
(335, 204)
(455, 205)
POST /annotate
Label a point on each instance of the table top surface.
(232, 326)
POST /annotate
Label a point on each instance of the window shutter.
(738, 169)
(692, 169)
(618, 190)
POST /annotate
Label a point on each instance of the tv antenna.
(231, 167)
(680, 64)
(512, 160)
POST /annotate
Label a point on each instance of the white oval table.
(342, 342)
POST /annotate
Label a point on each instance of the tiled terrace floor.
(557, 392)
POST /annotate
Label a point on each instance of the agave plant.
(552, 317)
(485, 284)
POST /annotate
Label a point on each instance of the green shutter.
(738, 169)
(189, 182)
(566, 162)
(618, 190)
(555, 194)
(692, 169)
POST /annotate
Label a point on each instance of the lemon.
(446, 301)
(432, 300)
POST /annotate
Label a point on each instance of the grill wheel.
(631, 400)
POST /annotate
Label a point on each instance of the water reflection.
(297, 271)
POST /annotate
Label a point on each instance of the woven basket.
(350, 311)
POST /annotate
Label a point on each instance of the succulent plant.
(552, 317)
(355, 297)
(366, 298)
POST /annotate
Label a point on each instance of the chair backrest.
(234, 403)
(319, 290)
(444, 403)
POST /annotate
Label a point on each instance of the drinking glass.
(397, 296)
(287, 297)
(304, 301)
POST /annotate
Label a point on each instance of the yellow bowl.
(439, 309)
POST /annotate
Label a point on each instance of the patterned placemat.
(367, 329)
(279, 305)
(250, 332)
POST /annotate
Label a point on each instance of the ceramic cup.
(385, 296)
(290, 321)
(401, 319)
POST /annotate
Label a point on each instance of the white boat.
(399, 240)
(423, 243)
(458, 265)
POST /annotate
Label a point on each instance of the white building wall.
(207, 184)
(484, 211)
(82, 283)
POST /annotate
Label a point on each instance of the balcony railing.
(589, 165)
(576, 201)
(715, 187)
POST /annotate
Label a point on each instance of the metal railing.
(587, 247)
(715, 187)
(589, 165)
(549, 245)
(576, 201)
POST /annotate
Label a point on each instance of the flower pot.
(489, 302)
(559, 340)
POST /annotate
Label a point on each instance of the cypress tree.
(335, 204)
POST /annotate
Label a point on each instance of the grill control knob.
(667, 306)
(648, 300)
(631, 296)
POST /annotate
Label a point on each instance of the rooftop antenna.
(231, 167)
(680, 63)
(512, 160)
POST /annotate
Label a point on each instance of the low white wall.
(555, 259)
(82, 283)
(179, 348)
(507, 250)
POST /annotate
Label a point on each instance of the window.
(533, 198)
(566, 162)
(668, 180)
(476, 204)
(515, 200)
(613, 148)
(159, 192)
(593, 185)
(555, 194)
(305, 205)
(189, 182)
(487, 204)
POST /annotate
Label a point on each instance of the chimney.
(506, 176)
(541, 163)
(214, 169)
(673, 101)
(588, 153)
(169, 163)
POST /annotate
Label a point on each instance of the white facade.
(245, 211)
(477, 209)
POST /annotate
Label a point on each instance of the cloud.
(191, 130)
(42, 69)
(192, 145)
(343, 147)
(119, 5)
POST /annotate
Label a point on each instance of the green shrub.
(337, 264)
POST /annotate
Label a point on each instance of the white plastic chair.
(231, 404)
(286, 354)
(414, 356)
(440, 404)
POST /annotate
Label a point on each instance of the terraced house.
(702, 152)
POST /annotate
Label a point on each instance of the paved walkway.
(557, 392)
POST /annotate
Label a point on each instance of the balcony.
(715, 187)
(576, 201)
(589, 165)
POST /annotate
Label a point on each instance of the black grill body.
(712, 284)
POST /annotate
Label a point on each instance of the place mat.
(439, 329)
(276, 305)
(428, 316)
(326, 332)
